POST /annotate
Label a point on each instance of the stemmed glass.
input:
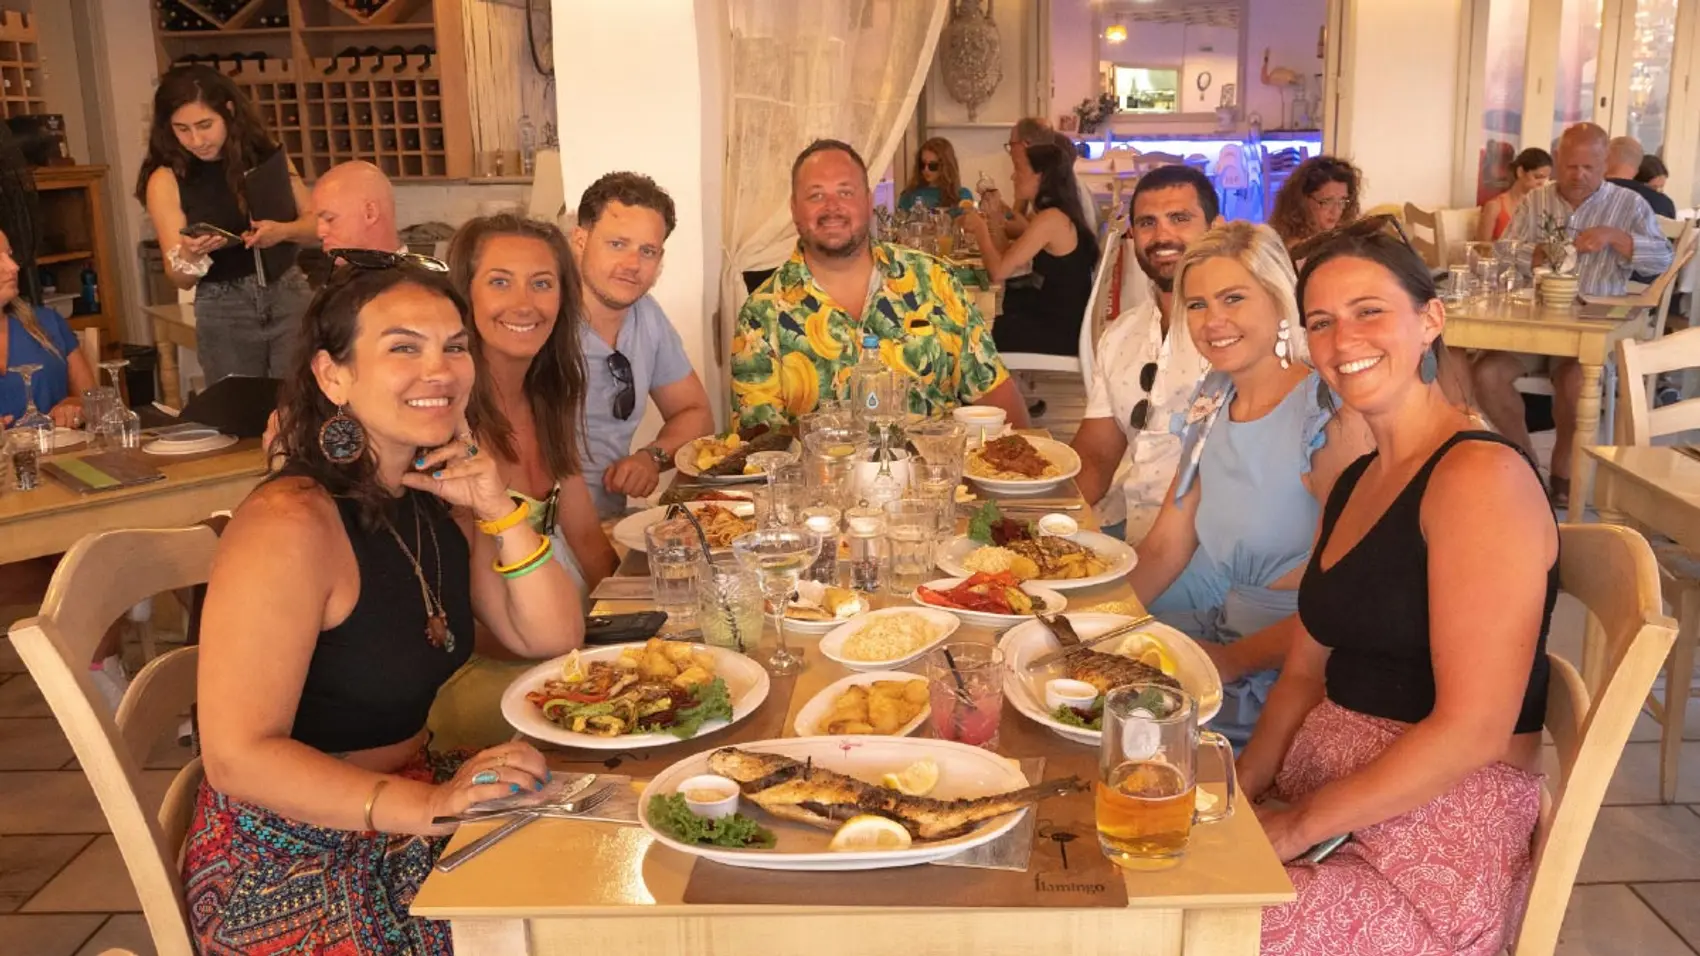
(779, 556)
(32, 416)
(122, 425)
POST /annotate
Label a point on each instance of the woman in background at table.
(1409, 710)
(1042, 311)
(37, 335)
(204, 140)
(1532, 168)
(1261, 446)
(1321, 194)
(344, 592)
(935, 180)
(519, 277)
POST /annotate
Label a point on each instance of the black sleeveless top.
(1042, 311)
(204, 193)
(1372, 610)
(373, 677)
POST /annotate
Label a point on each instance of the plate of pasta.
(721, 521)
(1022, 465)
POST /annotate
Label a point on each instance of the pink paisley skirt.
(1451, 876)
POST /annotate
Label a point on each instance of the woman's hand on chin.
(463, 475)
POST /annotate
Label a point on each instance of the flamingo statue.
(1282, 78)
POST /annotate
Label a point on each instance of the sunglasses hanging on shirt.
(625, 400)
(1142, 410)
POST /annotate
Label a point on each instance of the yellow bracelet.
(542, 549)
(522, 511)
(372, 801)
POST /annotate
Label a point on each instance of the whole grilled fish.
(1108, 671)
(792, 790)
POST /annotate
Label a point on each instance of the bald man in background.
(355, 205)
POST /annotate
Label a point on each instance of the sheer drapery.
(839, 69)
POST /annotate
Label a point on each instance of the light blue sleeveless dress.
(1256, 522)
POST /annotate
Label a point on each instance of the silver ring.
(484, 777)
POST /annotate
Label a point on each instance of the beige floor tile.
(51, 935)
(32, 743)
(1612, 921)
(1637, 776)
(126, 931)
(1643, 844)
(60, 801)
(28, 862)
(19, 698)
(10, 662)
(94, 882)
(1678, 904)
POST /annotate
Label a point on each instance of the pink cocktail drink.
(967, 693)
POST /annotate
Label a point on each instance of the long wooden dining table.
(575, 886)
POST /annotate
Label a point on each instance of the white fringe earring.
(1284, 343)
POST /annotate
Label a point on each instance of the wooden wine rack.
(337, 85)
(20, 66)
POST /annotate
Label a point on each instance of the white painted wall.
(1289, 29)
(650, 102)
(1074, 65)
(61, 81)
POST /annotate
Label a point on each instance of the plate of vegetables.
(989, 600)
(627, 696)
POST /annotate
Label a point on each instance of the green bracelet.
(532, 565)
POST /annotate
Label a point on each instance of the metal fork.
(449, 863)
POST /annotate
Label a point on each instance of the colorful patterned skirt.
(1451, 876)
(259, 884)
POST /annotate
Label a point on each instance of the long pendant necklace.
(437, 632)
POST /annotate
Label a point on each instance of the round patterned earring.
(1284, 343)
(342, 438)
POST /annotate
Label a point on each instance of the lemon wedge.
(916, 780)
(1150, 652)
(868, 832)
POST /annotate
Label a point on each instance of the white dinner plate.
(1044, 600)
(1032, 640)
(199, 446)
(1054, 451)
(832, 645)
(1120, 555)
(964, 772)
(817, 628)
(819, 707)
(67, 438)
(685, 460)
(746, 682)
(629, 531)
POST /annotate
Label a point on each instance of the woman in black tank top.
(345, 592)
(1408, 714)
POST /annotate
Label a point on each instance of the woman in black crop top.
(204, 139)
(1408, 713)
(343, 595)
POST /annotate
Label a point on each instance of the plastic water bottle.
(527, 146)
(91, 289)
(870, 383)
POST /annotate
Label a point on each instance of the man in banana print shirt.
(800, 333)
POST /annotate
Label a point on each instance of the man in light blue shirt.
(631, 349)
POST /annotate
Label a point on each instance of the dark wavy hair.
(331, 325)
(1057, 189)
(1291, 216)
(1530, 160)
(246, 143)
(1388, 249)
(628, 189)
(555, 382)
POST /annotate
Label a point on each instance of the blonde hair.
(25, 315)
(1261, 252)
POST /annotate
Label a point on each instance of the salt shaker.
(823, 520)
(870, 553)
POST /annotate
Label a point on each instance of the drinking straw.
(725, 606)
(961, 692)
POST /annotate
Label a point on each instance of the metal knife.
(567, 793)
(1039, 663)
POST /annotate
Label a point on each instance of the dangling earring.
(1429, 368)
(1324, 396)
(341, 438)
(1284, 343)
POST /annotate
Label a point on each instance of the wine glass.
(779, 556)
(32, 416)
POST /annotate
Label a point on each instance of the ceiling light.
(1116, 33)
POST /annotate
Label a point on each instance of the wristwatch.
(662, 459)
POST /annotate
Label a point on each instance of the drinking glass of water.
(674, 554)
(912, 526)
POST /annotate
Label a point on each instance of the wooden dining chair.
(1611, 570)
(100, 578)
(1640, 364)
(1428, 236)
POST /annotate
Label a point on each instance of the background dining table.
(582, 886)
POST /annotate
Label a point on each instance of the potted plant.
(1093, 112)
(1556, 279)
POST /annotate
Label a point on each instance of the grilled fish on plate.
(800, 792)
(1108, 671)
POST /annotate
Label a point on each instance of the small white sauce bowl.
(1063, 692)
(724, 805)
(1058, 525)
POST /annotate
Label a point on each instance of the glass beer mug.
(1147, 775)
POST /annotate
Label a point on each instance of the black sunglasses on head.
(381, 259)
(625, 400)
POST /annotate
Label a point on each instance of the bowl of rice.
(884, 639)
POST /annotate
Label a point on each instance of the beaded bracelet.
(530, 565)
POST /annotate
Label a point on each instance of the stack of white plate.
(192, 441)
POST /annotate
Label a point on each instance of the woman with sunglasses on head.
(1408, 713)
(935, 181)
(345, 591)
(1320, 194)
(1260, 449)
(518, 277)
(204, 140)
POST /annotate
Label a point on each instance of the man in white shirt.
(1030, 131)
(355, 206)
(1144, 370)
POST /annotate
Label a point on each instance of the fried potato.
(658, 666)
(882, 707)
(692, 676)
(849, 727)
(915, 692)
(886, 713)
(677, 653)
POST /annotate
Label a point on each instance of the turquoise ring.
(485, 777)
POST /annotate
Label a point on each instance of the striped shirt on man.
(1603, 272)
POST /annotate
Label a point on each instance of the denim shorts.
(244, 328)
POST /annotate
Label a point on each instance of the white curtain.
(838, 69)
(503, 85)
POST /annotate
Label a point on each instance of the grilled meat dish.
(1014, 453)
(1108, 671)
(733, 464)
(796, 791)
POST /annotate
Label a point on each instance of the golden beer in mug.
(1145, 796)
